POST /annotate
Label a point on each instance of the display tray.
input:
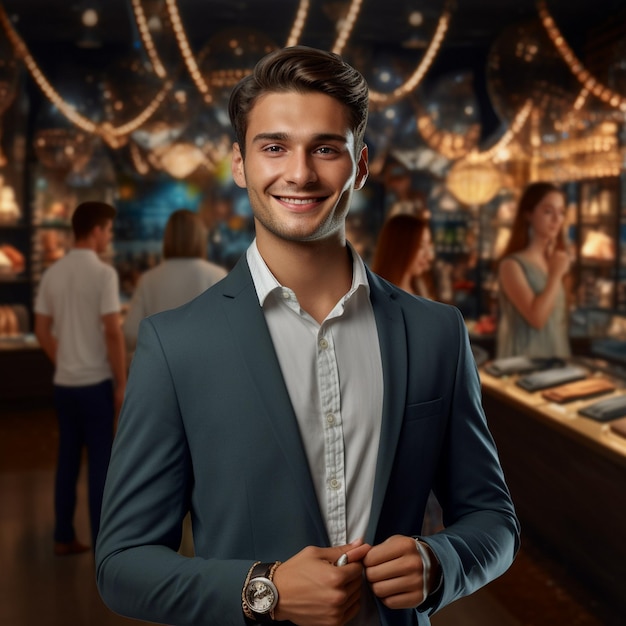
(587, 388)
(605, 410)
(520, 365)
(551, 378)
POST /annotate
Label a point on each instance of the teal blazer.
(207, 427)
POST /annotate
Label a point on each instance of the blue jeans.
(85, 416)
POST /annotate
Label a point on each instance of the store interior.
(125, 101)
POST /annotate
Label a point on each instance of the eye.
(272, 148)
(327, 151)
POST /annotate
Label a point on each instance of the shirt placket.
(330, 405)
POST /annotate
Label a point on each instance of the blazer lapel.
(393, 350)
(254, 343)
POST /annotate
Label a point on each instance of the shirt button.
(286, 294)
(323, 344)
(334, 483)
(330, 419)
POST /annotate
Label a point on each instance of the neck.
(319, 273)
(85, 244)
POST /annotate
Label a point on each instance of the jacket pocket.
(422, 410)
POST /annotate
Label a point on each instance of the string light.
(584, 77)
(185, 50)
(348, 25)
(114, 136)
(146, 39)
(387, 99)
(298, 23)
(519, 121)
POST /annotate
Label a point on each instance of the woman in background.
(533, 304)
(183, 274)
(404, 253)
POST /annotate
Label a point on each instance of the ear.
(362, 169)
(236, 167)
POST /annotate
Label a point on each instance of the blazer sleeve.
(138, 569)
(481, 535)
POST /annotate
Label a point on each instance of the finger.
(358, 553)
(343, 552)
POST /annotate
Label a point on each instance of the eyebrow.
(284, 136)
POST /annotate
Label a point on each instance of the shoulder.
(415, 307)
(511, 264)
(209, 268)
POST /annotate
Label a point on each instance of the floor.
(39, 589)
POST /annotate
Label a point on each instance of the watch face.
(260, 595)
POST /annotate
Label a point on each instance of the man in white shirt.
(303, 408)
(77, 323)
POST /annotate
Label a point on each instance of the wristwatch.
(260, 595)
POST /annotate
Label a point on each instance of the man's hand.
(394, 570)
(312, 591)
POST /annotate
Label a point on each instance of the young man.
(77, 323)
(303, 408)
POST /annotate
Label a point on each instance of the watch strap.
(258, 570)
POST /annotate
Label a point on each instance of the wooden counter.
(25, 375)
(567, 475)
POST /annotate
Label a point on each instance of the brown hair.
(398, 241)
(301, 69)
(185, 236)
(88, 215)
(532, 196)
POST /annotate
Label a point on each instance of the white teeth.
(297, 200)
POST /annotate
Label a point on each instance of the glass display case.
(598, 245)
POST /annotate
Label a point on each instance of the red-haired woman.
(533, 303)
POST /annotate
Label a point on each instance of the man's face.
(300, 168)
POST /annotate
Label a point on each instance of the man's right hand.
(312, 591)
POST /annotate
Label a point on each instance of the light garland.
(584, 77)
(387, 99)
(146, 39)
(185, 50)
(298, 23)
(187, 54)
(113, 136)
(450, 145)
(519, 121)
(347, 27)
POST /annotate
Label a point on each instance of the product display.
(581, 389)
(521, 365)
(606, 410)
(11, 259)
(551, 378)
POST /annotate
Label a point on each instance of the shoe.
(73, 547)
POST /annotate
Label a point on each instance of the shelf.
(12, 278)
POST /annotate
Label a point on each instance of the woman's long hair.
(520, 235)
(398, 241)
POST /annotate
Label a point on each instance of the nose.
(300, 168)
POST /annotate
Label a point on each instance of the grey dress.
(516, 337)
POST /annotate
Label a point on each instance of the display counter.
(26, 373)
(567, 475)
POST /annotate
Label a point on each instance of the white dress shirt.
(333, 373)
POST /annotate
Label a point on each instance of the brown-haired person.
(533, 316)
(404, 253)
(302, 408)
(183, 273)
(78, 324)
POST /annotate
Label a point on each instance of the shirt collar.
(265, 282)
